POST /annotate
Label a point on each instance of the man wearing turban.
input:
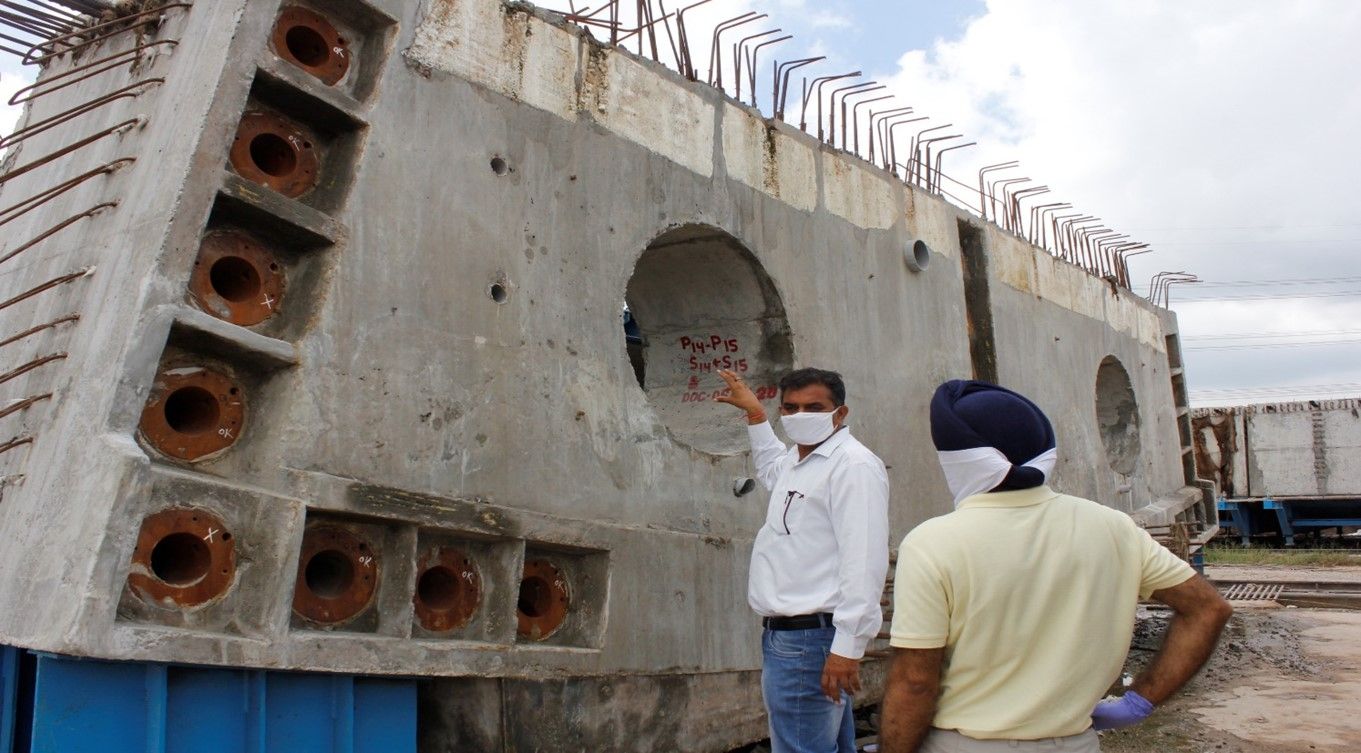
(1013, 614)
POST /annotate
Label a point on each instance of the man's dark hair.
(800, 378)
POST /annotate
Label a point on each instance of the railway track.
(1299, 593)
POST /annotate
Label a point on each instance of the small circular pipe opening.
(184, 558)
(536, 597)
(743, 486)
(543, 601)
(273, 155)
(338, 574)
(329, 574)
(439, 588)
(499, 166)
(448, 590)
(918, 257)
(310, 41)
(498, 292)
(307, 45)
(235, 279)
(192, 410)
(277, 152)
(180, 559)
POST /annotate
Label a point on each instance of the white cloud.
(825, 19)
(1191, 120)
(9, 114)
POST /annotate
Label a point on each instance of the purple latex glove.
(1130, 708)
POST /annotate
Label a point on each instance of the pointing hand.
(741, 396)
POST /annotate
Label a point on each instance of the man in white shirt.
(818, 564)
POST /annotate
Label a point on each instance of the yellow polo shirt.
(1032, 594)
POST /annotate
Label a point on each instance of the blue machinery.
(1250, 517)
(53, 704)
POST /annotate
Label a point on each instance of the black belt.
(801, 622)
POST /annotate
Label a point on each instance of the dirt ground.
(1283, 680)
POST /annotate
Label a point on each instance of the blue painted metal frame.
(9, 696)
(1248, 519)
(130, 707)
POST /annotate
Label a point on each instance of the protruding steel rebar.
(914, 145)
(985, 196)
(891, 144)
(33, 129)
(1016, 198)
(815, 89)
(1004, 183)
(876, 128)
(846, 92)
(753, 60)
(782, 71)
(855, 123)
(1037, 225)
(716, 53)
(683, 41)
(739, 59)
(93, 35)
(11, 213)
(940, 165)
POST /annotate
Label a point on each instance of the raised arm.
(766, 448)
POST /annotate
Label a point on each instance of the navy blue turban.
(987, 434)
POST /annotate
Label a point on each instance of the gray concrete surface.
(451, 361)
(1282, 450)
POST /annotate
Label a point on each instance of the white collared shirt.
(827, 549)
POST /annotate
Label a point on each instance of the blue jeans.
(802, 719)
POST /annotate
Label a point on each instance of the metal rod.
(16, 172)
(9, 214)
(782, 71)
(117, 26)
(40, 328)
(855, 123)
(33, 129)
(52, 283)
(92, 211)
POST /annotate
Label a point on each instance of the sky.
(1223, 132)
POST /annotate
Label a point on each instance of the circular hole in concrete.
(329, 574)
(918, 257)
(499, 166)
(273, 155)
(439, 588)
(235, 279)
(192, 410)
(307, 45)
(1117, 416)
(498, 292)
(536, 596)
(699, 302)
(180, 559)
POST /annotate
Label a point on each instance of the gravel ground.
(1281, 681)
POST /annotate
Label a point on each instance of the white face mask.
(808, 428)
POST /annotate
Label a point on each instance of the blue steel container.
(53, 704)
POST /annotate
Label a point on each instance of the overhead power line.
(1277, 394)
(1267, 335)
(1241, 227)
(1265, 296)
(1256, 346)
(1268, 283)
(1261, 242)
